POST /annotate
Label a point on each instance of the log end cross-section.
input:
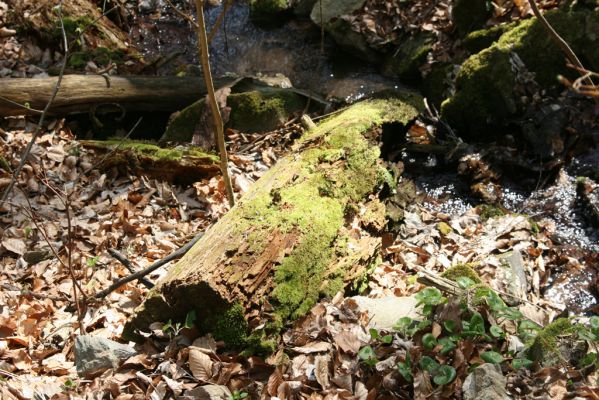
(285, 244)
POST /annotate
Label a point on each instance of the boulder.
(486, 84)
(95, 354)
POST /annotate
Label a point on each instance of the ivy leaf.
(429, 365)
(448, 344)
(464, 282)
(367, 355)
(405, 368)
(444, 375)
(449, 326)
(518, 363)
(430, 296)
(374, 334)
(387, 339)
(496, 331)
(429, 341)
(403, 325)
(492, 357)
(477, 324)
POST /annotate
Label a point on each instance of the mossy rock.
(485, 95)
(461, 271)
(480, 39)
(436, 84)
(259, 110)
(469, 15)
(407, 59)
(558, 344)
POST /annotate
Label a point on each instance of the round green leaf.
(496, 331)
(428, 364)
(445, 374)
(492, 357)
(429, 341)
(518, 363)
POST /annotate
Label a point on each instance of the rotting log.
(288, 241)
(96, 93)
(181, 166)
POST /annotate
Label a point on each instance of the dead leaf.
(200, 364)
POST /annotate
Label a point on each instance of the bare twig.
(14, 103)
(218, 121)
(151, 268)
(123, 260)
(40, 123)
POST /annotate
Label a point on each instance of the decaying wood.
(82, 93)
(126, 157)
(289, 239)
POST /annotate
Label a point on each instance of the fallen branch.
(123, 260)
(136, 276)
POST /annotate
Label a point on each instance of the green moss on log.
(277, 244)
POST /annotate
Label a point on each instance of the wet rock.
(386, 311)
(268, 12)
(468, 15)
(94, 354)
(588, 195)
(485, 382)
(340, 29)
(543, 130)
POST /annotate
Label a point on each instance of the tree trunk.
(84, 93)
(290, 240)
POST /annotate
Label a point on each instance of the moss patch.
(100, 55)
(480, 39)
(461, 270)
(230, 326)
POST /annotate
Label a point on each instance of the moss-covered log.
(286, 242)
(180, 166)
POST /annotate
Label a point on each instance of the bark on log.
(81, 93)
(288, 241)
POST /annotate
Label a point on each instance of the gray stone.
(209, 392)
(94, 354)
(511, 277)
(386, 311)
(485, 382)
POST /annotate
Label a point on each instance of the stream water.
(296, 51)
